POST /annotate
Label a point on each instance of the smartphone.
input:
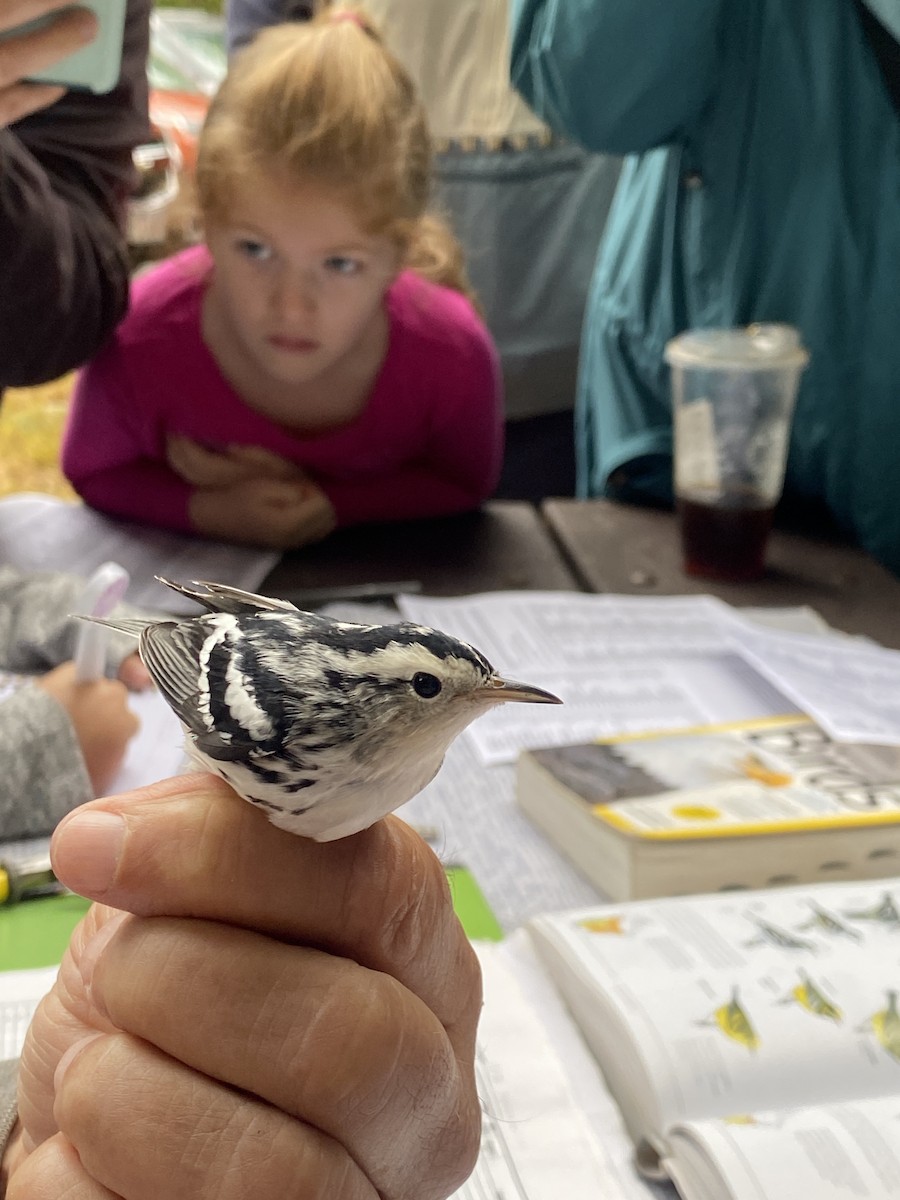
(95, 67)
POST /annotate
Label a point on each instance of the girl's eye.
(257, 251)
(339, 265)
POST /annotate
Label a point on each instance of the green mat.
(35, 933)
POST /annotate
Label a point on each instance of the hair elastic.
(346, 15)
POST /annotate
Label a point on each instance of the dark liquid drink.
(725, 540)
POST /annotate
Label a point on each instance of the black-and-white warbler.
(324, 724)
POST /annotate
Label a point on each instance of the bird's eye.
(425, 685)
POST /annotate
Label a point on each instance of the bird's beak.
(499, 691)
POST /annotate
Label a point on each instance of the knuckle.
(414, 900)
(345, 1055)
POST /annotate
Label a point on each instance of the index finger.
(33, 50)
(191, 847)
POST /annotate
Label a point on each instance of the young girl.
(317, 363)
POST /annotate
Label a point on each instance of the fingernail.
(86, 850)
(69, 1057)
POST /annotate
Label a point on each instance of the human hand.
(100, 716)
(263, 512)
(205, 468)
(28, 53)
(134, 674)
(280, 1017)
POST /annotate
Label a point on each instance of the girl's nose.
(297, 296)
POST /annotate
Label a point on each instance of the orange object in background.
(187, 62)
(180, 115)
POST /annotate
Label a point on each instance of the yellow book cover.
(776, 781)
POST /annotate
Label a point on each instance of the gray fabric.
(8, 1072)
(530, 222)
(37, 630)
(43, 772)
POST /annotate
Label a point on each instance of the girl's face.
(298, 285)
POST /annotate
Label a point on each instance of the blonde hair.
(326, 101)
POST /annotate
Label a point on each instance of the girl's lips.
(293, 345)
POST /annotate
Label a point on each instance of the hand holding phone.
(49, 45)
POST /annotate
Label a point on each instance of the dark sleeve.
(65, 174)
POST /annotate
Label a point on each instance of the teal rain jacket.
(762, 184)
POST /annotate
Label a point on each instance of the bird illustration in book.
(732, 1019)
(325, 725)
(770, 935)
(884, 913)
(813, 999)
(885, 1024)
(823, 920)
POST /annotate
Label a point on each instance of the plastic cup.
(733, 395)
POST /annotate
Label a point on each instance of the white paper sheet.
(20, 994)
(157, 749)
(42, 533)
(546, 1133)
(849, 685)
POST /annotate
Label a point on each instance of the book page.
(20, 994)
(865, 708)
(735, 1003)
(542, 1137)
(474, 819)
(157, 749)
(42, 533)
(830, 1152)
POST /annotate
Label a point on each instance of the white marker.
(102, 593)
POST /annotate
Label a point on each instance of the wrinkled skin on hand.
(248, 1013)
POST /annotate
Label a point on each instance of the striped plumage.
(326, 725)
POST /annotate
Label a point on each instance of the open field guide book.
(751, 1040)
(756, 803)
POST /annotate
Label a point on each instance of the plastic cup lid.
(752, 347)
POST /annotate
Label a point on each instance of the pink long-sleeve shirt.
(429, 441)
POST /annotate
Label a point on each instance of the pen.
(28, 879)
(101, 594)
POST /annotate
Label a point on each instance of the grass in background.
(212, 6)
(31, 425)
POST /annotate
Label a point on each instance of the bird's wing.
(195, 669)
(219, 597)
(171, 650)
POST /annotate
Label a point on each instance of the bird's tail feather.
(219, 597)
(131, 625)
